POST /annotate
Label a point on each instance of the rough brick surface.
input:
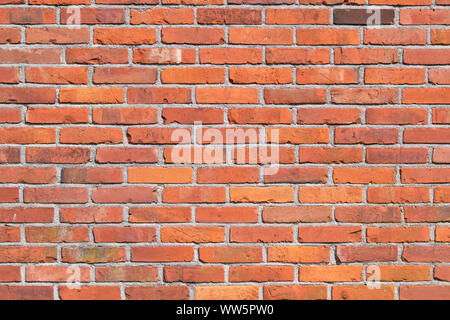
(107, 179)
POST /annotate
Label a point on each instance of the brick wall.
(95, 96)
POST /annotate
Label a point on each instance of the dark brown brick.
(363, 16)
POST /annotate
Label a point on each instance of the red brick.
(441, 155)
(9, 194)
(442, 194)
(194, 234)
(90, 293)
(91, 215)
(394, 75)
(228, 16)
(398, 194)
(227, 214)
(91, 95)
(297, 16)
(27, 135)
(440, 36)
(260, 36)
(424, 16)
(372, 175)
(426, 95)
(398, 234)
(9, 273)
(124, 195)
(404, 273)
(58, 115)
(432, 292)
(155, 136)
(368, 214)
(86, 55)
(55, 195)
(426, 135)
(26, 292)
(9, 234)
(396, 155)
(57, 155)
(426, 253)
(261, 273)
(193, 75)
(124, 234)
(262, 194)
(327, 36)
(427, 214)
(366, 253)
(441, 116)
(30, 55)
(299, 135)
(162, 16)
(193, 194)
(160, 214)
(89, 254)
(27, 175)
(191, 115)
(94, 15)
(330, 155)
(27, 95)
(364, 95)
(162, 254)
(9, 35)
(426, 56)
(158, 95)
(194, 274)
(124, 75)
(442, 273)
(163, 55)
(329, 234)
(425, 175)
(294, 96)
(327, 75)
(297, 55)
(362, 292)
(230, 254)
(157, 292)
(295, 292)
(340, 273)
(298, 254)
(230, 55)
(126, 273)
(9, 75)
(91, 135)
(27, 254)
(9, 155)
(227, 293)
(27, 15)
(330, 194)
(228, 175)
(365, 55)
(226, 95)
(260, 75)
(56, 234)
(26, 215)
(366, 135)
(56, 35)
(126, 155)
(296, 214)
(393, 37)
(261, 234)
(196, 35)
(128, 36)
(395, 116)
